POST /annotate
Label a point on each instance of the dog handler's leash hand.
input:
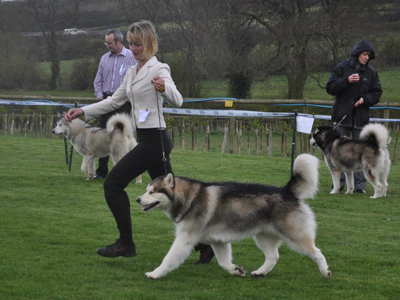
(73, 113)
(158, 83)
(359, 102)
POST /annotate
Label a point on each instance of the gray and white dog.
(220, 213)
(368, 154)
(93, 142)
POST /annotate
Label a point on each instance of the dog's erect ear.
(169, 181)
(317, 130)
(59, 115)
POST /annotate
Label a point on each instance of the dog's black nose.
(138, 200)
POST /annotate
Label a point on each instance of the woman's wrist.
(162, 89)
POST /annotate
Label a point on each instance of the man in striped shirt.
(110, 74)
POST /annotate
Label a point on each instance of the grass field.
(52, 222)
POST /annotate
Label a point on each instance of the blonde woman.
(145, 85)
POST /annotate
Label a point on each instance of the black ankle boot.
(206, 253)
(117, 249)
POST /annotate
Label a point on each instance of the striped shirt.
(111, 72)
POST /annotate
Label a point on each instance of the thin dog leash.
(344, 117)
(164, 159)
(337, 124)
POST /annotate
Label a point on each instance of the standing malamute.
(219, 213)
(93, 142)
(343, 154)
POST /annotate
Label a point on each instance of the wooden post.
(192, 129)
(284, 144)
(248, 142)
(207, 139)
(304, 136)
(182, 134)
(386, 114)
(269, 140)
(256, 142)
(12, 124)
(172, 136)
(239, 137)
(226, 131)
(395, 146)
(5, 124)
(261, 141)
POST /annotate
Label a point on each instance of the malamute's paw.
(257, 274)
(238, 271)
(153, 275)
(349, 192)
(333, 191)
(327, 273)
(139, 179)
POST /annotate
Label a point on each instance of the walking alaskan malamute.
(220, 213)
(93, 142)
(343, 154)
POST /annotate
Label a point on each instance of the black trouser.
(102, 170)
(146, 156)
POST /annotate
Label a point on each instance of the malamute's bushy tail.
(121, 121)
(304, 181)
(376, 132)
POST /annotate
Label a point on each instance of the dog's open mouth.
(150, 206)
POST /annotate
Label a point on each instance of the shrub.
(17, 72)
(83, 74)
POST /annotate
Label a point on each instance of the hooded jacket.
(347, 94)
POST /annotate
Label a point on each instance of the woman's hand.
(359, 102)
(354, 78)
(158, 83)
(73, 113)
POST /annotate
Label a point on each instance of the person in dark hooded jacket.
(356, 88)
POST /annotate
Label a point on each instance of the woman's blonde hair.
(145, 33)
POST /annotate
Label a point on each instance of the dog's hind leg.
(374, 181)
(349, 182)
(384, 183)
(269, 245)
(177, 254)
(223, 253)
(304, 244)
(298, 230)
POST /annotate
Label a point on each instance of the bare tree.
(52, 16)
(241, 38)
(198, 38)
(300, 27)
(151, 10)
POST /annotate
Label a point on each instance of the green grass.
(52, 222)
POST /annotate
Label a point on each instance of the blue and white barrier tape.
(199, 112)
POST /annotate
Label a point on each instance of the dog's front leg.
(179, 252)
(335, 181)
(86, 167)
(223, 253)
(349, 182)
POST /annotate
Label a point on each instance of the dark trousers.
(359, 177)
(146, 156)
(102, 170)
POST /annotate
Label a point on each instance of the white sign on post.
(304, 124)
